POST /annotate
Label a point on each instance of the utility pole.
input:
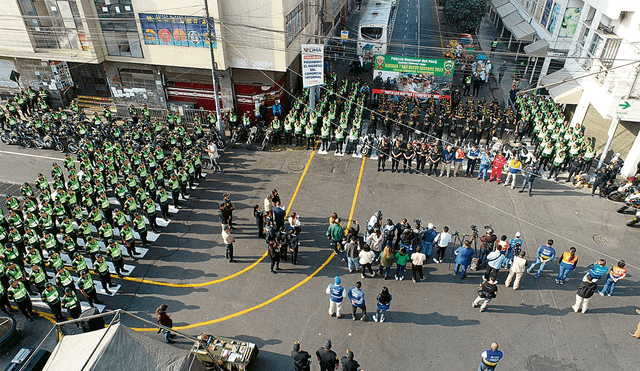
(210, 27)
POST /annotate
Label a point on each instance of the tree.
(464, 16)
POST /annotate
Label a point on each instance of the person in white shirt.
(442, 241)
(228, 240)
(417, 259)
(294, 222)
(366, 258)
(375, 240)
(214, 154)
(517, 269)
(515, 166)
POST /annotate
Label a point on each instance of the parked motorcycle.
(268, 134)
(623, 191)
(16, 137)
(252, 137)
(632, 201)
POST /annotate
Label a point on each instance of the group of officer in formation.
(140, 163)
(338, 114)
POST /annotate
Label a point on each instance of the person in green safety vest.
(149, 208)
(18, 292)
(115, 254)
(288, 129)
(101, 267)
(309, 133)
(140, 226)
(126, 233)
(276, 125)
(71, 303)
(558, 161)
(88, 288)
(325, 134)
(5, 305)
(163, 200)
(51, 296)
(339, 134)
(38, 277)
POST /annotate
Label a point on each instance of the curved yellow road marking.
(253, 265)
(282, 294)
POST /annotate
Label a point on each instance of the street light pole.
(213, 70)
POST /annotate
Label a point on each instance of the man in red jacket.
(498, 164)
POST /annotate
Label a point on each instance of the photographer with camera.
(487, 291)
(487, 243)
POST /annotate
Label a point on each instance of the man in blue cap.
(337, 293)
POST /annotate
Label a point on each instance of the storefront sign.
(312, 65)
(417, 77)
(176, 30)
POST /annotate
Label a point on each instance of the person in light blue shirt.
(545, 254)
(472, 158)
(356, 296)
(485, 164)
(598, 270)
(495, 260)
(464, 255)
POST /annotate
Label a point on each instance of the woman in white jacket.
(366, 258)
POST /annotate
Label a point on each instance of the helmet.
(68, 290)
(489, 230)
(518, 234)
(378, 214)
(431, 226)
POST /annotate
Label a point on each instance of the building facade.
(157, 51)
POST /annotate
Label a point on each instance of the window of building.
(295, 22)
(137, 78)
(54, 24)
(584, 33)
(119, 28)
(595, 44)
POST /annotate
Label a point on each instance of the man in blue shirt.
(356, 296)
(464, 255)
(336, 295)
(530, 174)
(448, 156)
(490, 358)
(428, 238)
(277, 110)
(472, 158)
(545, 254)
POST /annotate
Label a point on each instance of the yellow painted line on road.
(282, 294)
(253, 265)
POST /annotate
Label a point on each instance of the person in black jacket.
(487, 291)
(274, 256)
(293, 246)
(586, 289)
(300, 358)
(327, 358)
(348, 363)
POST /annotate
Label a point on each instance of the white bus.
(374, 27)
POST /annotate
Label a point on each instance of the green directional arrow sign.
(624, 105)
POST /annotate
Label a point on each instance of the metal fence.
(188, 114)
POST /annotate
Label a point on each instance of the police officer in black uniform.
(300, 358)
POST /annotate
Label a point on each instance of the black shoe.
(99, 302)
(107, 292)
(124, 270)
(170, 341)
(272, 271)
(120, 275)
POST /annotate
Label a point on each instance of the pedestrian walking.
(164, 319)
(327, 358)
(442, 241)
(101, 267)
(516, 270)
(71, 303)
(487, 291)
(464, 254)
(545, 254)
(568, 262)
(348, 363)
(300, 358)
(228, 239)
(490, 358)
(616, 274)
(585, 291)
(417, 260)
(356, 297)
(494, 46)
(336, 293)
(384, 302)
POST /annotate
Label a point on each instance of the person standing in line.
(512, 173)
(386, 261)
(327, 358)
(164, 319)
(585, 291)
(598, 270)
(442, 240)
(448, 156)
(356, 296)
(228, 239)
(428, 238)
(472, 158)
(351, 251)
(51, 296)
(384, 302)
(487, 291)
(228, 205)
(616, 274)
(294, 245)
(336, 293)
(417, 260)
(568, 262)
(464, 254)
(485, 163)
(517, 269)
(545, 254)
(348, 363)
(300, 358)
(20, 296)
(530, 174)
(490, 358)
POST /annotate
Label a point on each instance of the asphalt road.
(416, 30)
(431, 325)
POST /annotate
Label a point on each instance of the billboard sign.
(416, 77)
(312, 65)
(176, 30)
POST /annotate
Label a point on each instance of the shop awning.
(537, 49)
(566, 92)
(523, 31)
(498, 3)
(505, 10)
